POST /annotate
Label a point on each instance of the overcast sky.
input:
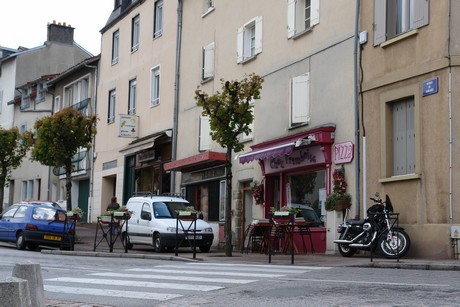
(24, 22)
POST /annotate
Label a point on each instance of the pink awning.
(267, 152)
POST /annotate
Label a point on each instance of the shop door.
(83, 195)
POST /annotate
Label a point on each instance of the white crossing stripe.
(247, 267)
(244, 274)
(294, 268)
(112, 293)
(178, 278)
(135, 283)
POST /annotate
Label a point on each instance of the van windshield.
(168, 210)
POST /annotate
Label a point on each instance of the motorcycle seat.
(356, 222)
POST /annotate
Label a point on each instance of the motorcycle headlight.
(209, 229)
(339, 228)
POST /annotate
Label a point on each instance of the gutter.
(355, 89)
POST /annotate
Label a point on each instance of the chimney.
(60, 33)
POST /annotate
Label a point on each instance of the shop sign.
(128, 126)
(146, 156)
(298, 158)
(343, 152)
(203, 175)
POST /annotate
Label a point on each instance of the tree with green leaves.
(230, 114)
(59, 137)
(13, 148)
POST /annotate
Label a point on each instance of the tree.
(13, 148)
(59, 137)
(230, 114)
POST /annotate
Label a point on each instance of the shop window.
(249, 40)
(300, 100)
(158, 22)
(401, 136)
(205, 136)
(208, 62)
(302, 16)
(222, 199)
(115, 46)
(304, 189)
(395, 17)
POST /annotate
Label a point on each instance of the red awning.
(200, 161)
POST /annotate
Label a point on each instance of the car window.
(174, 208)
(21, 212)
(44, 213)
(10, 211)
(146, 212)
(161, 211)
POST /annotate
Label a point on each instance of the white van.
(153, 222)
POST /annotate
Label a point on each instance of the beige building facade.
(410, 88)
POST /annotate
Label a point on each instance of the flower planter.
(342, 205)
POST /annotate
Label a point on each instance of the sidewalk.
(86, 239)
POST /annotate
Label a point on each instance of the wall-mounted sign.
(298, 158)
(128, 126)
(343, 152)
(430, 86)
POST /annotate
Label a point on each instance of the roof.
(84, 63)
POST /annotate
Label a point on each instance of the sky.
(24, 22)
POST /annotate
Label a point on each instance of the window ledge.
(302, 33)
(211, 9)
(203, 81)
(249, 59)
(292, 127)
(400, 178)
(399, 38)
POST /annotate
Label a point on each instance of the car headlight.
(209, 229)
(173, 229)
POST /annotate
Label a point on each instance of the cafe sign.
(298, 158)
(343, 152)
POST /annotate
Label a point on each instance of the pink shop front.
(297, 171)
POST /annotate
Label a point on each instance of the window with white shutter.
(158, 22)
(132, 97)
(249, 40)
(205, 137)
(300, 99)
(403, 137)
(155, 86)
(395, 17)
(111, 110)
(208, 62)
(135, 32)
(302, 15)
(115, 46)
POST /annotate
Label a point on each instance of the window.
(155, 86)
(111, 110)
(400, 133)
(41, 92)
(302, 16)
(158, 21)
(57, 104)
(115, 46)
(208, 6)
(403, 137)
(132, 97)
(76, 93)
(300, 99)
(1, 101)
(205, 137)
(304, 189)
(25, 98)
(27, 190)
(249, 40)
(222, 198)
(208, 62)
(135, 23)
(394, 17)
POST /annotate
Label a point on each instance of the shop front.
(296, 172)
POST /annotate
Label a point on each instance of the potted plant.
(339, 199)
(258, 192)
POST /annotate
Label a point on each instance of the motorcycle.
(377, 231)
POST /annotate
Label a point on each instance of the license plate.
(52, 238)
(196, 237)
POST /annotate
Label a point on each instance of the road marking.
(136, 283)
(373, 282)
(274, 266)
(252, 268)
(179, 278)
(214, 273)
(112, 293)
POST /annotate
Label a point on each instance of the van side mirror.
(146, 216)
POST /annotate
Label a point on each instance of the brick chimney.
(60, 33)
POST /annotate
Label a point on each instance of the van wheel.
(125, 241)
(158, 244)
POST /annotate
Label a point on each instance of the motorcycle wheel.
(344, 249)
(395, 244)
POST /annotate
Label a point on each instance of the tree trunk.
(2, 190)
(68, 188)
(228, 205)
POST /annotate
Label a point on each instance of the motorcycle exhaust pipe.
(351, 244)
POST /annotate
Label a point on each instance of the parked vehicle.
(154, 222)
(41, 202)
(377, 231)
(33, 224)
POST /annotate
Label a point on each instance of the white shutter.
(300, 99)
(291, 18)
(258, 42)
(380, 14)
(421, 14)
(239, 45)
(314, 9)
(205, 130)
(208, 61)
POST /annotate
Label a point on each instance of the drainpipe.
(176, 93)
(355, 87)
(451, 211)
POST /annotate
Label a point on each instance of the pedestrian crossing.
(169, 281)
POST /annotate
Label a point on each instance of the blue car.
(33, 224)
